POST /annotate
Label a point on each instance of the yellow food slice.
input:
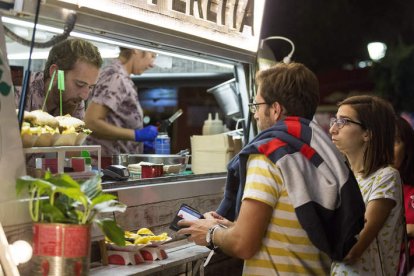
(129, 234)
(25, 128)
(35, 130)
(145, 231)
(160, 237)
(142, 240)
(69, 130)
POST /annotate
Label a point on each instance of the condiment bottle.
(216, 125)
(162, 143)
(207, 125)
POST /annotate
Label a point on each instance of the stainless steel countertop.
(159, 189)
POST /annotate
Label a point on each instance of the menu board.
(12, 164)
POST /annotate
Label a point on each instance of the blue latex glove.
(147, 133)
(149, 147)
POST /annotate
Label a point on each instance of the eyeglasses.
(253, 107)
(340, 122)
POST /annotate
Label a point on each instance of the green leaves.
(61, 199)
(110, 206)
(112, 231)
(393, 76)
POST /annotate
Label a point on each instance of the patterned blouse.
(116, 91)
(382, 255)
(36, 96)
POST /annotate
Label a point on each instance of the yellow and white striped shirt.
(286, 248)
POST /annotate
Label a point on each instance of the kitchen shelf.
(61, 152)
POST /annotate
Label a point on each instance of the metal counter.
(150, 190)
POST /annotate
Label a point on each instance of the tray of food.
(40, 129)
(137, 240)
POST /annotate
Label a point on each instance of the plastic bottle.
(216, 125)
(88, 161)
(211, 127)
(38, 173)
(88, 164)
(207, 125)
(162, 143)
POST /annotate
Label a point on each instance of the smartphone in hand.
(185, 212)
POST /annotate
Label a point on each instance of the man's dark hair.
(293, 86)
(66, 53)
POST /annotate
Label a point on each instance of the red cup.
(150, 171)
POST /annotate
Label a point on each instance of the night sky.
(330, 34)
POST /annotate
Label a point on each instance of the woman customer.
(364, 131)
(404, 162)
(114, 113)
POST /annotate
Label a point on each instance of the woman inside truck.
(114, 113)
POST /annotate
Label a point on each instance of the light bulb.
(21, 251)
(376, 50)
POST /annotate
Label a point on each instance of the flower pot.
(61, 249)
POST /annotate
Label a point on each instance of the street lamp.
(376, 50)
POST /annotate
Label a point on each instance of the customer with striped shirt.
(294, 202)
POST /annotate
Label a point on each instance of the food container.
(227, 98)
(52, 140)
(65, 139)
(29, 140)
(166, 159)
(151, 171)
(45, 140)
(120, 159)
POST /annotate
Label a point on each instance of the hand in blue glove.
(149, 147)
(147, 133)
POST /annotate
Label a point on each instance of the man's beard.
(68, 107)
(266, 122)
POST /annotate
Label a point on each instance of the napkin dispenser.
(115, 173)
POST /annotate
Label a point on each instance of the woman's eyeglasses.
(340, 122)
(253, 107)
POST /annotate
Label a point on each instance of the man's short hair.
(66, 53)
(127, 53)
(293, 86)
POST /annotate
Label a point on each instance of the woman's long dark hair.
(378, 118)
(405, 134)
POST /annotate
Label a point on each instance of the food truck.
(206, 63)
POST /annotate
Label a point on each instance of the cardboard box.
(211, 153)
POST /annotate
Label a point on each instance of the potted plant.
(63, 211)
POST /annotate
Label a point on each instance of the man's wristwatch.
(210, 236)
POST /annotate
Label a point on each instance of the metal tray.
(166, 159)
